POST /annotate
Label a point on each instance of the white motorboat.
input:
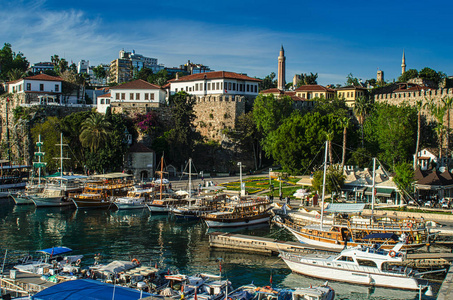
(361, 265)
(135, 199)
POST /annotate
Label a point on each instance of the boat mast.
(190, 178)
(61, 157)
(161, 173)
(373, 191)
(324, 185)
(39, 164)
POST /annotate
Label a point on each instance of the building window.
(176, 90)
(41, 87)
(229, 85)
(196, 86)
(248, 87)
(147, 95)
(256, 89)
(102, 101)
(137, 96)
(131, 96)
(57, 88)
(107, 101)
(209, 86)
(152, 96)
(187, 89)
(217, 85)
(234, 86)
(28, 86)
(117, 96)
(123, 96)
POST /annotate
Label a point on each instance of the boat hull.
(128, 206)
(92, 204)
(22, 200)
(236, 222)
(51, 201)
(353, 276)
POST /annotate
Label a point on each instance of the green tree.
(269, 112)
(9, 61)
(344, 123)
(295, 143)
(409, 74)
(99, 72)
(448, 102)
(393, 129)
(404, 177)
(361, 109)
(95, 132)
(334, 180)
(351, 80)
(143, 74)
(360, 157)
(268, 82)
(418, 105)
(306, 79)
(182, 136)
(248, 137)
(432, 75)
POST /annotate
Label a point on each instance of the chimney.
(177, 76)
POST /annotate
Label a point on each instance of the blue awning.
(55, 250)
(88, 289)
(381, 236)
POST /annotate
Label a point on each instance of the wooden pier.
(23, 284)
(270, 246)
(446, 290)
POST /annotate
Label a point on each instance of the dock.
(23, 284)
(446, 290)
(269, 246)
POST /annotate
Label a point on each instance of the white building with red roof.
(41, 83)
(216, 83)
(137, 93)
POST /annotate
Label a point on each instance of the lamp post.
(240, 177)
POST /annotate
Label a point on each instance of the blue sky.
(331, 38)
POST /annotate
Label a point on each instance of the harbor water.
(172, 244)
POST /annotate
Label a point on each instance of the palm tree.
(344, 122)
(95, 131)
(419, 104)
(361, 109)
(329, 137)
(15, 74)
(448, 103)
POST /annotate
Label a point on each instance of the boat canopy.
(55, 250)
(117, 266)
(381, 236)
(345, 207)
(88, 289)
(112, 175)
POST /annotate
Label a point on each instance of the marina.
(177, 245)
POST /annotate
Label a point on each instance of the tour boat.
(197, 207)
(359, 265)
(98, 192)
(135, 199)
(241, 213)
(58, 191)
(344, 233)
(164, 205)
(13, 177)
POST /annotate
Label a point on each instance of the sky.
(331, 38)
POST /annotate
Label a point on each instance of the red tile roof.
(352, 87)
(44, 77)
(281, 92)
(104, 96)
(215, 75)
(136, 85)
(313, 87)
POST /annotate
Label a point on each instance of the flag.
(155, 266)
(51, 253)
(270, 280)
(7, 99)
(226, 91)
(220, 266)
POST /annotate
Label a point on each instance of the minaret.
(281, 70)
(403, 64)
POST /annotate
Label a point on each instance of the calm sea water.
(179, 246)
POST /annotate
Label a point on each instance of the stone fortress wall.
(411, 98)
(216, 113)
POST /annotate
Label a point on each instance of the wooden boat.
(13, 177)
(197, 207)
(98, 191)
(164, 205)
(345, 233)
(58, 191)
(359, 265)
(241, 213)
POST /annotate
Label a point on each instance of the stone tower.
(403, 64)
(281, 70)
(380, 76)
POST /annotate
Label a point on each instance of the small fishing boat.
(135, 199)
(246, 212)
(368, 265)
